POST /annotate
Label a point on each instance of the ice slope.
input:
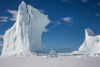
(91, 43)
(25, 34)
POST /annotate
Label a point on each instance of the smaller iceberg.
(91, 44)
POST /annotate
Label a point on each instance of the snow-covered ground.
(38, 61)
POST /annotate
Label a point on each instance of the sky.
(68, 20)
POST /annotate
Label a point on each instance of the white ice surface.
(49, 62)
(25, 34)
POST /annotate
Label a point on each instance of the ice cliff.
(91, 44)
(25, 34)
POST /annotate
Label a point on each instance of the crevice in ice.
(28, 13)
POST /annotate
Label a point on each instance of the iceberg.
(91, 44)
(25, 34)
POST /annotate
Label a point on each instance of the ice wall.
(25, 34)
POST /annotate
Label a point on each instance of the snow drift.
(91, 44)
(25, 34)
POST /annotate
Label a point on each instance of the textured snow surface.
(49, 62)
(25, 34)
(91, 43)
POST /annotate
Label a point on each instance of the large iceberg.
(91, 44)
(25, 34)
